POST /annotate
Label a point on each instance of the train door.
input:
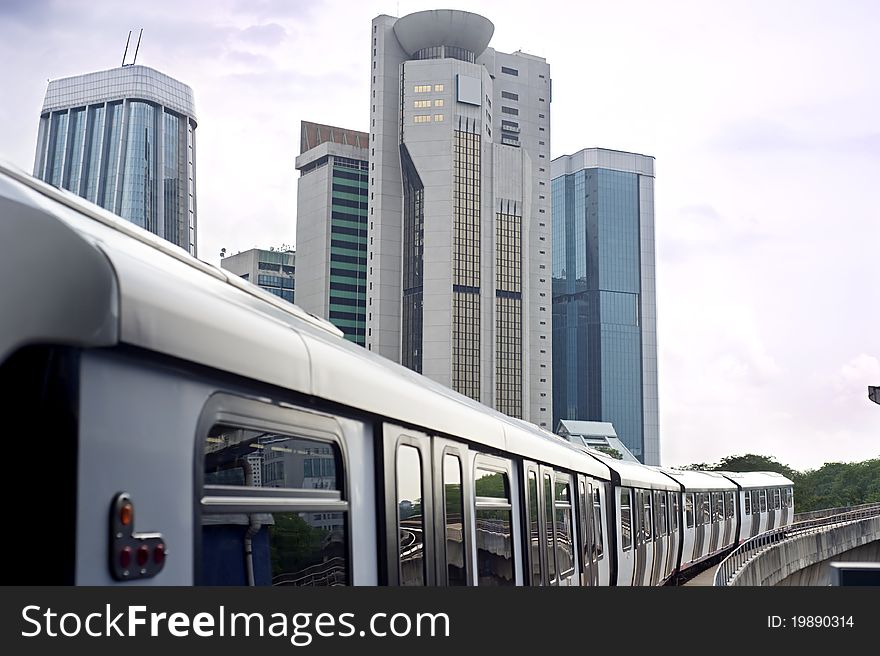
(776, 512)
(701, 521)
(453, 516)
(756, 512)
(600, 521)
(409, 507)
(536, 552)
(674, 532)
(589, 555)
(625, 528)
(729, 517)
(661, 539)
(766, 521)
(786, 504)
(564, 530)
(690, 532)
(642, 526)
(717, 499)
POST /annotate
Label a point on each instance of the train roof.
(750, 480)
(635, 474)
(102, 281)
(698, 480)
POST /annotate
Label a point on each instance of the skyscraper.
(331, 226)
(125, 140)
(273, 270)
(604, 299)
(459, 244)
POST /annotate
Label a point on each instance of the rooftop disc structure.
(444, 33)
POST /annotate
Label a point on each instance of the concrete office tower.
(273, 270)
(331, 226)
(459, 250)
(604, 300)
(125, 140)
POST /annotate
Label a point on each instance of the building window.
(422, 118)
(422, 88)
(421, 104)
(438, 118)
(540, 116)
(510, 71)
(438, 88)
(509, 95)
(438, 102)
(509, 110)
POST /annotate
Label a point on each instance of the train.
(181, 426)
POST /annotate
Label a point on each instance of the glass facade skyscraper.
(604, 307)
(124, 139)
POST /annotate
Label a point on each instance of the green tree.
(611, 451)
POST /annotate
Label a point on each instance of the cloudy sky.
(764, 117)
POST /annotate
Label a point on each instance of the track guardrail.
(731, 566)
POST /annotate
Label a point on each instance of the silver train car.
(193, 429)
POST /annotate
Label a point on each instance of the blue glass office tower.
(125, 140)
(604, 300)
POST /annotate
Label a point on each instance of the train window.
(548, 524)
(675, 511)
(663, 521)
(625, 518)
(788, 497)
(776, 495)
(747, 503)
(534, 532)
(756, 502)
(410, 520)
(494, 516)
(597, 524)
(729, 510)
(689, 509)
(252, 537)
(762, 497)
(583, 526)
(718, 506)
(250, 458)
(564, 537)
(647, 518)
(454, 520)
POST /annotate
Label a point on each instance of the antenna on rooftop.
(138, 47)
(126, 47)
(127, 41)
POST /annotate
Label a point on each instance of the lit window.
(421, 104)
(437, 87)
(422, 118)
(425, 88)
(438, 102)
(438, 118)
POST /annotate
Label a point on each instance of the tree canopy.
(833, 485)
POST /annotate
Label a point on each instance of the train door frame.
(539, 550)
(626, 556)
(443, 447)
(394, 437)
(548, 542)
(589, 553)
(642, 565)
(570, 577)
